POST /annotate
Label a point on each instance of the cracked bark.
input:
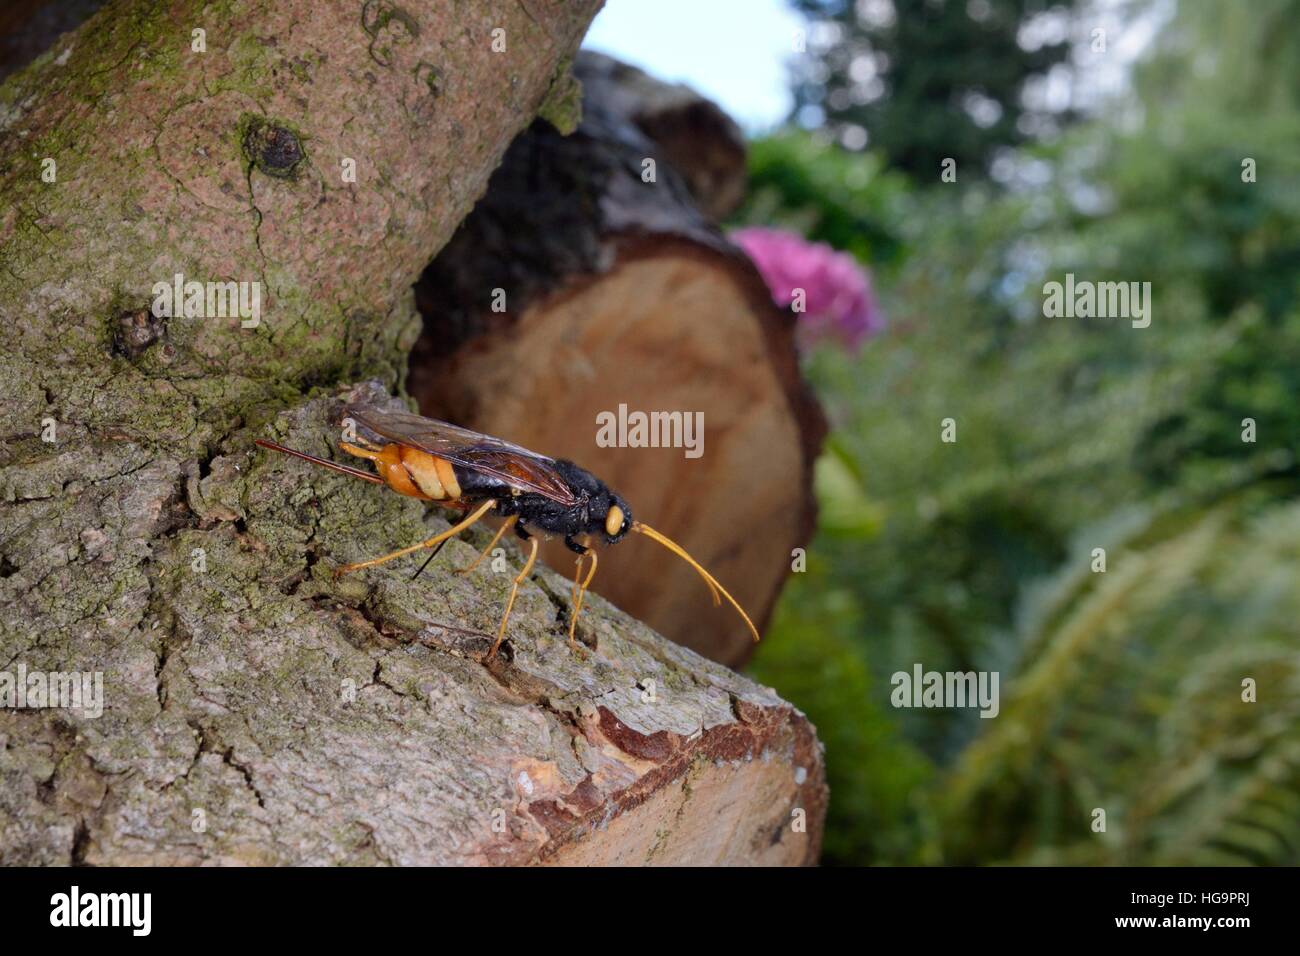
(309, 720)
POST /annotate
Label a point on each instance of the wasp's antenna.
(334, 465)
(709, 579)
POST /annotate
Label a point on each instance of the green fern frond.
(1129, 698)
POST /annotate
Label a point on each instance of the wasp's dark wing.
(517, 467)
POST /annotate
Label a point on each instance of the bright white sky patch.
(733, 51)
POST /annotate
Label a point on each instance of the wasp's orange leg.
(436, 539)
(579, 592)
(514, 590)
(505, 526)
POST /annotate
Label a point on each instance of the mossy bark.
(254, 708)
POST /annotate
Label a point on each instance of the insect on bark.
(477, 474)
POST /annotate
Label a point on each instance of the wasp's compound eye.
(614, 521)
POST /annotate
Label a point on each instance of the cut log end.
(571, 376)
(622, 301)
(728, 807)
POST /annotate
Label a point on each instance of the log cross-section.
(590, 286)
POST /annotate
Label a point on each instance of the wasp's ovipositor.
(476, 474)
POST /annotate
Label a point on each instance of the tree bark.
(255, 709)
(577, 289)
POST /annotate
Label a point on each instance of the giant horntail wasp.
(477, 474)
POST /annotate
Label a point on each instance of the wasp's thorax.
(604, 512)
(598, 511)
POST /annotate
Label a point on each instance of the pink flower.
(836, 291)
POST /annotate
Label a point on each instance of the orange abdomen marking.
(410, 471)
(447, 475)
(389, 465)
(424, 471)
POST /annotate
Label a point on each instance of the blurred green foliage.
(1120, 690)
(1129, 698)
